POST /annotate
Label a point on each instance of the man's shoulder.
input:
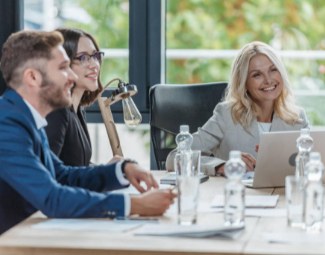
(7, 108)
(14, 114)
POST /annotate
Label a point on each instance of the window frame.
(146, 57)
(11, 20)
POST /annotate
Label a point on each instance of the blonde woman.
(258, 99)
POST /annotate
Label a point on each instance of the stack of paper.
(194, 231)
(170, 178)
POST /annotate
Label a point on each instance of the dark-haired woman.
(67, 129)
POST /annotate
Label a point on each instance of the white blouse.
(264, 127)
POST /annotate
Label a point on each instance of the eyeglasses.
(85, 58)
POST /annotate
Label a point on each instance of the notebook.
(276, 157)
(170, 178)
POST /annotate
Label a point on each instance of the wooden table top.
(255, 239)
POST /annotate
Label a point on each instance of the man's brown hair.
(24, 46)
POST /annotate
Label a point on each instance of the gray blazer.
(219, 135)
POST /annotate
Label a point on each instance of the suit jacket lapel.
(277, 124)
(46, 152)
(253, 130)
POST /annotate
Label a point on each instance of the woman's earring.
(246, 95)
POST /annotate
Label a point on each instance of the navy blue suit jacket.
(26, 185)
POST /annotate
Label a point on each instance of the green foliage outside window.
(218, 24)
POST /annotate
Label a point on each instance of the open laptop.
(276, 157)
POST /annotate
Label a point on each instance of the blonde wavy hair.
(243, 108)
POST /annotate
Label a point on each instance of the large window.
(108, 22)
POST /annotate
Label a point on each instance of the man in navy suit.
(38, 74)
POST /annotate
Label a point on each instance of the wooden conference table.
(266, 234)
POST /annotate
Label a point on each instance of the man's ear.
(32, 77)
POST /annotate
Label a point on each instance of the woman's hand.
(115, 159)
(249, 160)
(220, 170)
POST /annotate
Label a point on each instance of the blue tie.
(47, 159)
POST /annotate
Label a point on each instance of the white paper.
(294, 237)
(170, 179)
(251, 201)
(266, 212)
(202, 208)
(195, 231)
(88, 224)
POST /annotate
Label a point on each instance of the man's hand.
(152, 203)
(135, 174)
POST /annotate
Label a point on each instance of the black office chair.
(173, 105)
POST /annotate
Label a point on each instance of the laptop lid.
(276, 156)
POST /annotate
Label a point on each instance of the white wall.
(133, 143)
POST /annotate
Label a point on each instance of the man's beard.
(53, 95)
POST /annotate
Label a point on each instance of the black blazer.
(68, 136)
